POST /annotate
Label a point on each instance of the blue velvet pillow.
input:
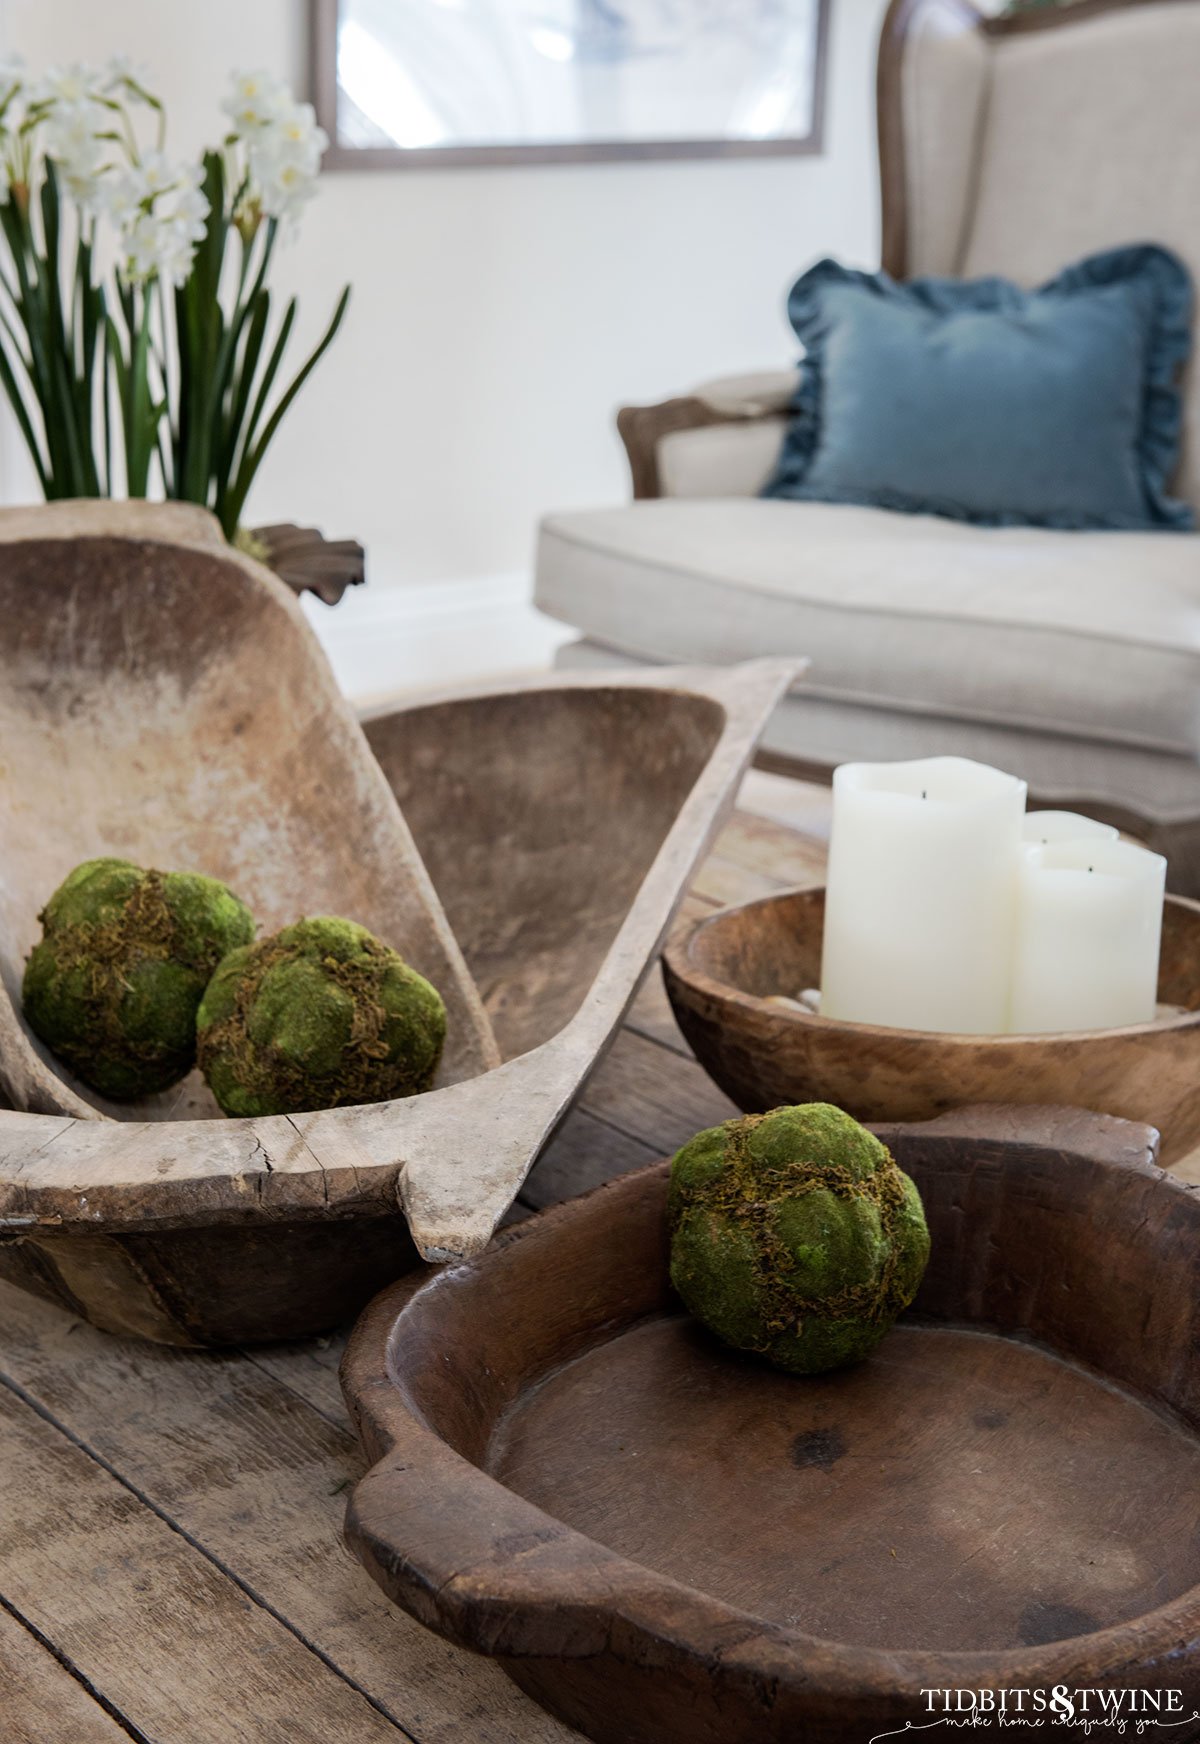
(1058, 407)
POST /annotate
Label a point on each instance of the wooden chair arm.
(730, 400)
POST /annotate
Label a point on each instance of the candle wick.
(924, 794)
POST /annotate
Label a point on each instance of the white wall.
(499, 316)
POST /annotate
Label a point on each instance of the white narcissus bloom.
(253, 101)
(159, 210)
(284, 159)
(122, 71)
(72, 138)
(73, 84)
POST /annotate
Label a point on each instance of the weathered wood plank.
(168, 1638)
(309, 1369)
(650, 1013)
(651, 1016)
(651, 1094)
(584, 1153)
(258, 1478)
(758, 845)
(721, 881)
(40, 1701)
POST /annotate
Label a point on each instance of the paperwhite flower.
(159, 212)
(284, 157)
(253, 101)
(296, 135)
(121, 71)
(72, 139)
(73, 84)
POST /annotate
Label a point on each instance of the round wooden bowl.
(721, 975)
(666, 1542)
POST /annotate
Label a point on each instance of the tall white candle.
(1065, 826)
(920, 895)
(1089, 924)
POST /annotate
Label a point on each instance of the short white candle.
(920, 895)
(1066, 826)
(1089, 925)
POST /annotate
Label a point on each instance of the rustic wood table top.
(171, 1567)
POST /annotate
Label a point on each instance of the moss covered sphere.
(794, 1234)
(113, 986)
(320, 1014)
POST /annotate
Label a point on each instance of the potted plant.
(162, 372)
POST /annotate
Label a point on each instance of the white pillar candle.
(1065, 826)
(920, 895)
(1089, 925)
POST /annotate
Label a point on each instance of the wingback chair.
(1010, 146)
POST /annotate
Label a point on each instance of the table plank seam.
(612, 1125)
(114, 1713)
(330, 1664)
(342, 1423)
(679, 1048)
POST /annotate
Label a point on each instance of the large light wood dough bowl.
(724, 977)
(162, 698)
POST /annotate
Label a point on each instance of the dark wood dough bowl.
(664, 1542)
(162, 698)
(721, 973)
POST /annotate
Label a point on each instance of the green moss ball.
(113, 986)
(794, 1234)
(320, 1014)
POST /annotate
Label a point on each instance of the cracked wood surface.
(171, 1566)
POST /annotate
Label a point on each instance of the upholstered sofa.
(1008, 146)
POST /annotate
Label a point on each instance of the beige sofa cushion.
(733, 460)
(1094, 634)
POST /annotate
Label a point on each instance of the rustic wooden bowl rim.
(511, 1556)
(679, 958)
(451, 1159)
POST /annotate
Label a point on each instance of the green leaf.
(269, 374)
(17, 402)
(242, 383)
(200, 336)
(253, 460)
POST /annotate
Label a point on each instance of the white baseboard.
(381, 640)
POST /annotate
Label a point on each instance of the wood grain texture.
(632, 1089)
(139, 719)
(721, 977)
(875, 1483)
(1014, 1472)
(308, 562)
(255, 1480)
(41, 1702)
(249, 1457)
(584, 1153)
(178, 1648)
